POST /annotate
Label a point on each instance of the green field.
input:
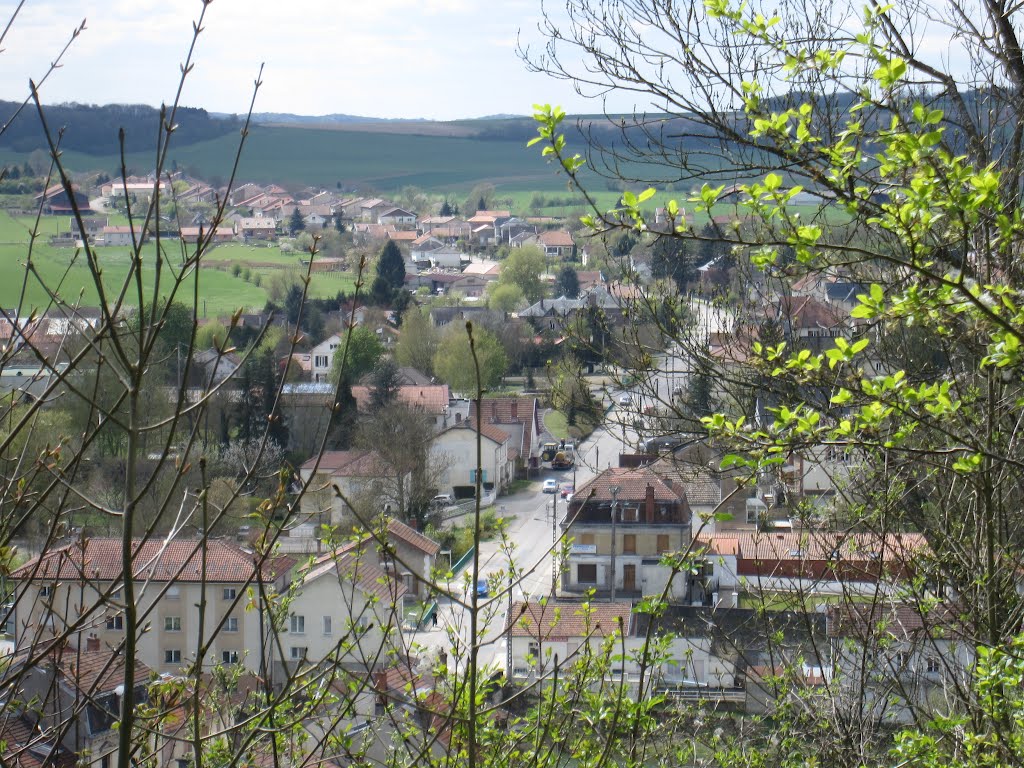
(64, 272)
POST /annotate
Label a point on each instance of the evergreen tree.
(446, 208)
(384, 384)
(567, 283)
(339, 223)
(390, 279)
(671, 258)
(295, 223)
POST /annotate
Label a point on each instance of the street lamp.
(615, 507)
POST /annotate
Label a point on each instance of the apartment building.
(621, 524)
(77, 591)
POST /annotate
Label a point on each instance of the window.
(174, 592)
(586, 574)
(298, 651)
(534, 649)
(932, 665)
(115, 595)
(472, 476)
(172, 656)
(230, 593)
(231, 624)
(662, 543)
(45, 591)
(629, 544)
(327, 625)
(229, 657)
(105, 761)
(298, 625)
(172, 623)
(630, 514)
(115, 622)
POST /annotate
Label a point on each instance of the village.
(635, 500)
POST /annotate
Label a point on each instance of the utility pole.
(554, 539)
(615, 509)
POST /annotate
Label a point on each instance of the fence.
(459, 564)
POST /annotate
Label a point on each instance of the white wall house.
(454, 449)
(323, 356)
(344, 486)
(347, 609)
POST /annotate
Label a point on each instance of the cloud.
(391, 58)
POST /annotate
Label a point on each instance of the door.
(629, 578)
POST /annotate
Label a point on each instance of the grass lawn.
(556, 424)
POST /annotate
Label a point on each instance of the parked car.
(550, 485)
(625, 399)
(567, 490)
(442, 500)
(482, 589)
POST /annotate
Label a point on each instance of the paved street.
(533, 515)
(531, 531)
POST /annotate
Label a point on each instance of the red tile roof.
(560, 621)
(177, 560)
(412, 537)
(355, 463)
(432, 398)
(632, 484)
(353, 564)
(557, 238)
(491, 432)
(511, 410)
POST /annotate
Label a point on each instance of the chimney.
(650, 503)
(92, 643)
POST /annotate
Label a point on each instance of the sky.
(433, 59)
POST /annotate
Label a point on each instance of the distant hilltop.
(287, 118)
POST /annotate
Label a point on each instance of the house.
(440, 317)
(621, 524)
(555, 314)
(486, 225)
(448, 258)
(402, 236)
(211, 367)
(438, 283)
(221, 234)
(370, 210)
(119, 235)
(258, 228)
(489, 270)
(431, 399)
(445, 227)
(323, 357)
(902, 661)
(470, 286)
(354, 484)
(557, 243)
(410, 558)
(514, 227)
(74, 591)
(61, 687)
(455, 449)
(345, 608)
(521, 418)
(136, 191)
(804, 569)
(399, 218)
(538, 633)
